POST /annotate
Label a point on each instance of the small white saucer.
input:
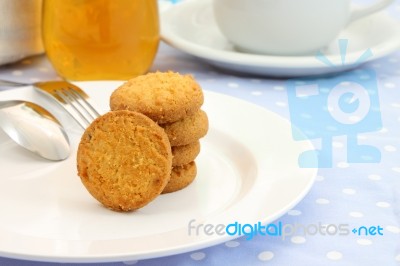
(190, 27)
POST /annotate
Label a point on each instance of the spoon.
(35, 129)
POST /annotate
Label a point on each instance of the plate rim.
(205, 242)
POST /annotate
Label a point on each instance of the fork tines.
(72, 98)
(84, 113)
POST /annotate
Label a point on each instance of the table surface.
(355, 194)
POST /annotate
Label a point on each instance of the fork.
(72, 98)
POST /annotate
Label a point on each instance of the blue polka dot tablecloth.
(351, 216)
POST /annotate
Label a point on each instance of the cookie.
(185, 154)
(124, 160)
(181, 177)
(165, 97)
(187, 130)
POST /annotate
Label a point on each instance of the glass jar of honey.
(100, 39)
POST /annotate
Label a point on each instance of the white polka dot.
(334, 255)
(330, 229)
(389, 85)
(281, 104)
(320, 178)
(349, 191)
(265, 256)
(396, 169)
(322, 201)
(364, 242)
(375, 177)
(17, 73)
(256, 93)
(337, 144)
(233, 85)
(298, 240)
(343, 165)
(393, 229)
(279, 88)
(198, 256)
(383, 204)
(323, 228)
(362, 137)
(383, 130)
(397, 258)
(232, 244)
(131, 262)
(354, 118)
(390, 148)
(294, 212)
(356, 214)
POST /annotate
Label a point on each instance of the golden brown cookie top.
(163, 96)
(124, 160)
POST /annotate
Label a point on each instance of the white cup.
(286, 27)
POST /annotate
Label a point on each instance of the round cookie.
(185, 154)
(181, 177)
(187, 130)
(124, 160)
(165, 97)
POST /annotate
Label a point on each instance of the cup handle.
(358, 13)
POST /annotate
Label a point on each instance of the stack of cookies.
(173, 101)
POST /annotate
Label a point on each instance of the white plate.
(247, 172)
(190, 27)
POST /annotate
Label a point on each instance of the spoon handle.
(5, 104)
(12, 83)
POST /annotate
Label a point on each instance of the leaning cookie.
(124, 160)
(165, 97)
(185, 154)
(187, 130)
(181, 177)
